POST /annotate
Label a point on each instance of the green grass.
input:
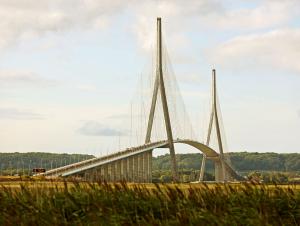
(124, 204)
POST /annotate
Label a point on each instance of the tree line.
(266, 167)
(245, 163)
(23, 163)
(240, 161)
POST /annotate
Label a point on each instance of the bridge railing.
(59, 170)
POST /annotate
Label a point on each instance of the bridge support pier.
(124, 169)
(219, 172)
(140, 167)
(118, 170)
(136, 168)
(202, 169)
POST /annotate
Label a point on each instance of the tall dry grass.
(121, 204)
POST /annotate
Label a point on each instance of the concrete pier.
(136, 168)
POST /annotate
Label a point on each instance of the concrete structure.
(135, 168)
(159, 86)
(135, 164)
(220, 172)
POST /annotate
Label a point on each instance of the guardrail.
(91, 163)
(132, 150)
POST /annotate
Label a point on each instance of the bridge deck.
(91, 163)
(82, 166)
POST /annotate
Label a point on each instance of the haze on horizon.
(69, 68)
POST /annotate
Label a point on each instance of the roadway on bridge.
(79, 167)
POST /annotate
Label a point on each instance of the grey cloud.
(21, 20)
(275, 49)
(266, 14)
(209, 14)
(13, 113)
(93, 128)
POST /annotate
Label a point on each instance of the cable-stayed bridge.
(167, 123)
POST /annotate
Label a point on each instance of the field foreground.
(38, 203)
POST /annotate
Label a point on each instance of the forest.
(264, 166)
(267, 167)
(240, 161)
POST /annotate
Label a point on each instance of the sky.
(69, 69)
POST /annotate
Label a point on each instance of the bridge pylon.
(160, 86)
(220, 171)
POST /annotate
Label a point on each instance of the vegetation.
(260, 167)
(241, 161)
(245, 161)
(35, 203)
(23, 163)
(122, 204)
(267, 167)
(185, 175)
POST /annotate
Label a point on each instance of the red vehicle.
(38, 170)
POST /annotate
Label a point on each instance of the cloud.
(176, 13)
(268, 13)
(212, 14)
(22, 20)
(13, 113)
(276, 49)
(93, 128)
(23, 77)
(26, 19)
(179, 19)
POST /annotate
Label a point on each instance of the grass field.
(59, 203)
